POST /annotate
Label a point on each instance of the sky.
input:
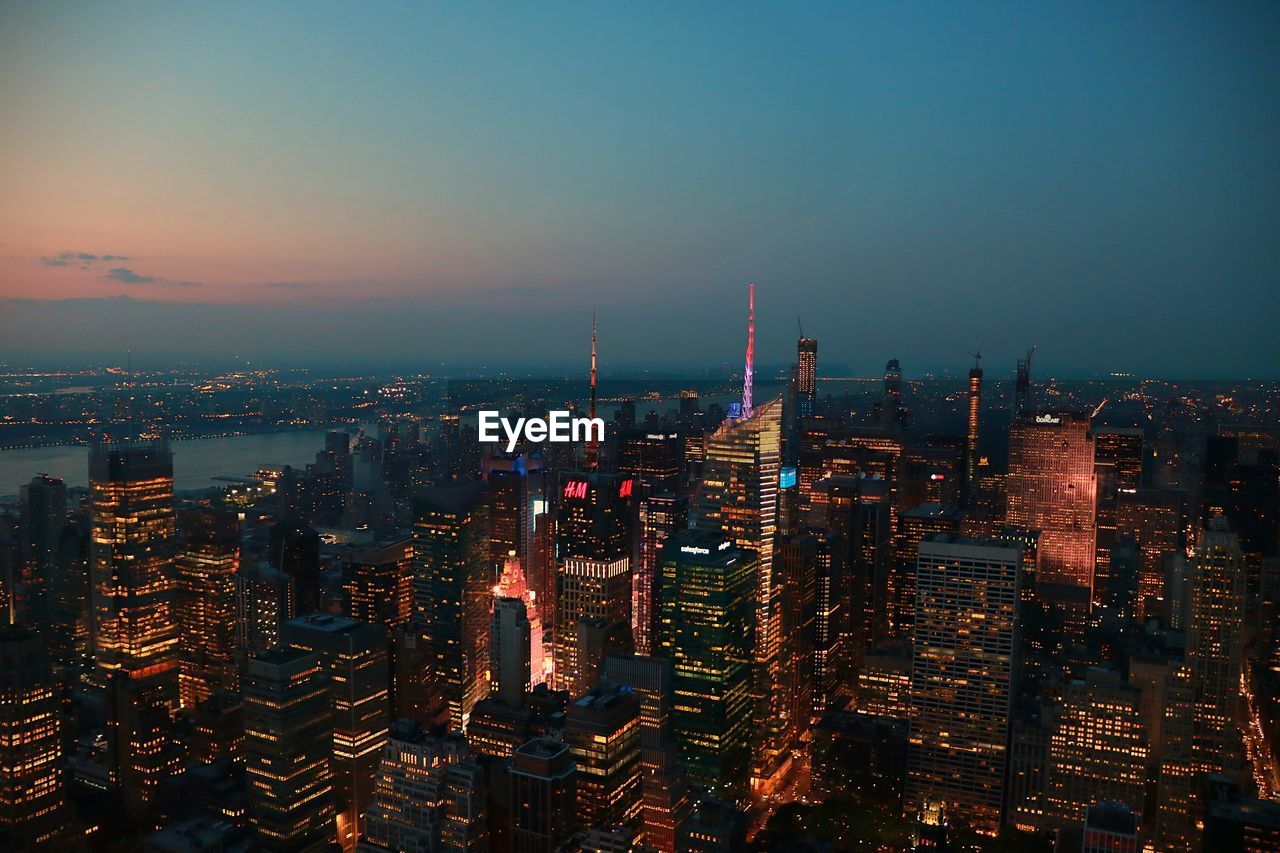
(426, 184)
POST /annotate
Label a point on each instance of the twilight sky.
(392, 184)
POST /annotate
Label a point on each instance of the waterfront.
(195, 461)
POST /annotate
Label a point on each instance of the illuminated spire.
(593, 450)
(748, 376)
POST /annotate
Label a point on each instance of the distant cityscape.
(783, 612)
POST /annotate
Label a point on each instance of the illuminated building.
(965, 637)
(972, 426)
(70, 631)
(1156, 519)
(1215, 651)
(884, 681)
(739, 500)
(913, 526)
(806, 375)
(602, 729)
(665, 795)
(543, 796)
(452, 594)
(410, 793)
(43, 507)
(288, 734)
(354, 654)
(294, 549)
(512, 584)
(1098, 749)
(411, 681)
(706, 629)
(1051, 488)
(1117, 455)
(206, 600)
(827, 641)
(510, 641)
(218, 729)
(264, 601)
(796, 565)
(655, 458)
(931, 471)
(593, 577)
(1022, 387)
(893, 413)
(378, 585)
(132, 554)
(659, 516)
(32, 798)
(513, 493)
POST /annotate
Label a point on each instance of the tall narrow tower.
(971, 435)
(1022, 388)
(593, 448)
(748, 375)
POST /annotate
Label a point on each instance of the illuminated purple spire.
(748, 376)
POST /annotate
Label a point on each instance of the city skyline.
(206, 185)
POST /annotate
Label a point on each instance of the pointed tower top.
(748, 375)
(593, 450)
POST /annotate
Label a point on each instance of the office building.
(964, 645)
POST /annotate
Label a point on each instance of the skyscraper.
(294, 548)
(593, 577)
(705, 626)
(409, 798)
(510, 641)
(1098, 749)
(602, 729)
(33, 813)
(971, 432)
(739, 500)
(965, 637)
(288, 733)
(452, 594)
(1118, 462)
(543, 794)
(206, 600)
(665, 796)
(806, 375)
(660, 515)
(43, 504)
(354, 655)
(135, 633)
(132, 553)
(378, 585)
(1052, 488)
(1215, 652)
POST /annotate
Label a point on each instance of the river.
(195, 461)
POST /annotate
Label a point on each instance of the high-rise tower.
(1052, 488)
(806, 374)
(748, 374)
(965, 637)
(593, 446)
(971, 433)
(206, 597)
(1022, 387)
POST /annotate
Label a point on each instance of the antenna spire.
(748, 376)
(593, 450)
